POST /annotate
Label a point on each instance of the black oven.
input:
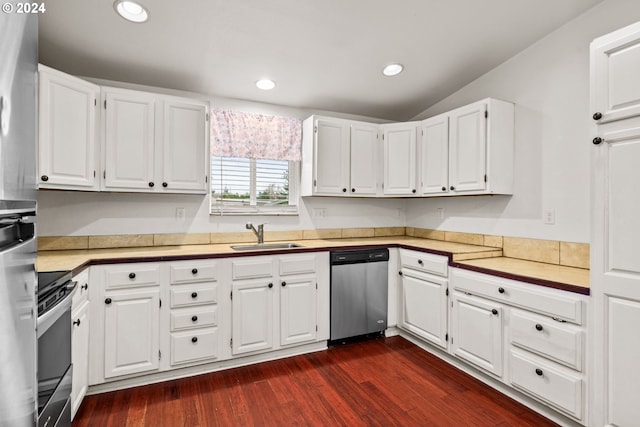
(55, 290)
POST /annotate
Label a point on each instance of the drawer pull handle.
(132, 276)
(194, 339)
(539, 327)
(194, 295)
(539, 372)
(76, 322)
(194, 318)
(494, 312)
(194, 271)
(420, 261)
(85, 286)
(501, 290)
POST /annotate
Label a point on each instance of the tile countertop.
(478, 258)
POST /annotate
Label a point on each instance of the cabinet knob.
(501, 290)
(420, 261)
(107, 301)
(132, 275)
(194, 339)
(45, 178)
(353, 190)
(284, 284)
(151, 184)
(194, 294)
(165, 185)
(452, 188)
(444, 188)
(76, 322)
(270, 285)
(539, 372)
(194, 271)
(344, 190)
(413, 191)
(597, 116)
(194, 318)
(399, 273)
(85, 286)
(494, 312)
(539, 327)
(597, 140)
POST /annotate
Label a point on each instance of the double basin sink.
(263, 246)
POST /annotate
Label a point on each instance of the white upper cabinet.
(433, 149)
(399, 141)
(467, 148)
(184, 152)
(331, 155)
(67, 136)
(129, 139)
(615, 88)
(364, 159)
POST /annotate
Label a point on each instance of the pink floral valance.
(256, 136)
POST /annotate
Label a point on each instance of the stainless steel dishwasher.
(359, 283)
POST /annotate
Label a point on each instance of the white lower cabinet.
(253, 304)
(80, 326)
(477, 332)
(298, 307)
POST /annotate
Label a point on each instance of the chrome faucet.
(259, 232)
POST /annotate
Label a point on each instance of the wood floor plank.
(382, 382)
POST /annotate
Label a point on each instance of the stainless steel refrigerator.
(18, 126)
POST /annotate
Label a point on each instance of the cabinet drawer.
(552, 384)
(132, 275)
(422, 261)
(552, 302)
(559, 341)
(193, 272)
(82, 291)
(196, 317)
(297, 264)
(205, 293)
(252, 268)
(195, 345)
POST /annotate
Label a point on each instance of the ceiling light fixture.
(265, 84)
(131, 10)
(392, 70)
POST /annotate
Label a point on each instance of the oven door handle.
(46, 320)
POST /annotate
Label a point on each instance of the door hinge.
(315, 129)
(206, 179)
(231, 295)
(95, 102)
(486, 114)
(422, 132)
(94, 174)
(231, 343)
(316, 288)
(159, 355)
(104, 174)
(105, 104)
(160, 303)
(316, 328)
(485, 177)
(447, 292)
(446, 337)
(451, 340)
(383, 136)
(315, 183)
(206, 116)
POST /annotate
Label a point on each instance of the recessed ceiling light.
(265, 84)
(131, 10)
(392, 70)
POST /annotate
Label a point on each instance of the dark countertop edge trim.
(161, 258)
(528, 279)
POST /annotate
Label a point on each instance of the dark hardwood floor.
(383, 382)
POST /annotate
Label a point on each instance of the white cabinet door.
(434, 155)
(331, 157)
(399, 158)
(79, 356)
(467, 148)
(298, 303)
(67, 131)
(131, 337)
(185, 153)
(476, 332)
(364, 159)
(615, 87)
(129, 140)
(424, 307)
(253, 310)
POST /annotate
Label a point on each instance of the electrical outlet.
(549, 216)
(181, 214)
(319, 212)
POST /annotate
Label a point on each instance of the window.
(245, 186)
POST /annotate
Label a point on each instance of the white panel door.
(131, 332)
(615, 274)
(67, 131)
(253, 306)
(433, 149)
(364, 159)
(129, 140)
(298, 303)
(79, 356)
(331, 157)
(399, 159)
(424, 307)
(185, 151)
(615, 62)
(467, 148)
(476, 332)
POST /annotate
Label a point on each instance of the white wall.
(549, 83)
